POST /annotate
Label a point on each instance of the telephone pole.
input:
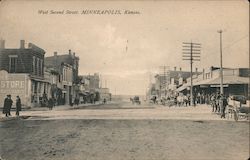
(221, 68)
(165, 75)
(191, 52)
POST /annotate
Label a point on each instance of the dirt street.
(123, 132)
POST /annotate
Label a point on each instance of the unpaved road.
(50, 137)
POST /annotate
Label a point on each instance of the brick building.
(66, 67)
(70, 58)
(28, 63)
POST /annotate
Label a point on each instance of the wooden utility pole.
(221, 68)
(191, 52)
(165, 76)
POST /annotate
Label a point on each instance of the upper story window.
(34, 64)
(37, 66)
(64, 74)
(41, 67)
(12, 63)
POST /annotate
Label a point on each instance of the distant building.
(94, 81)
(104, 94)
(167, 83)
(24, 65)
(89, 88)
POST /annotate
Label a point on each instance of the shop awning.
(216, 81)
(226, 80)
(183, 87)
(39, 80)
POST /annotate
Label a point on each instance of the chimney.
(174, 68)
(55, 53)
(2, 43)
(70, 52)
(22, 44)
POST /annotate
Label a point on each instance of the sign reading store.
(14, 84)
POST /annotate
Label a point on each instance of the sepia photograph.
(124, 80)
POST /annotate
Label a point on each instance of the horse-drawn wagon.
(238, 107)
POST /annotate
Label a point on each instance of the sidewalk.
(60, 107)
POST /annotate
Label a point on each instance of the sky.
(128, 49)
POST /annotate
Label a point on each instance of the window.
(63, 75)
(60, 78)
(33, 65)
(41, 67)
(39, 87)
(66, 74)
(12, 63)
(37, 66)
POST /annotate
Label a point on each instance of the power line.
(228, 46)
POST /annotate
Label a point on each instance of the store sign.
(217, 85)
(13, 84)
(203, 86)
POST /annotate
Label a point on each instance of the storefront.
(15, 85)
(31, 90)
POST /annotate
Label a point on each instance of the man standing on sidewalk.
(217, 107)
(213, 102)
(223, 105)
(50, 103)
(18, 105)
(10, 102)
(7, 105)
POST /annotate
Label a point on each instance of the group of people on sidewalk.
(8, 102)
(219, 103)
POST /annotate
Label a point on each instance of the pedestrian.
(175, 101)
(217, 107)
(10, 102)
(213, 103)
(155, 98)
(194, 100)
(179, 100)
(70, 101)
(54, 101)
(223, 105)
(6, 105)
(50, 103)
(185, 99)
(76, 101)
(18, 105)
(189, 100)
